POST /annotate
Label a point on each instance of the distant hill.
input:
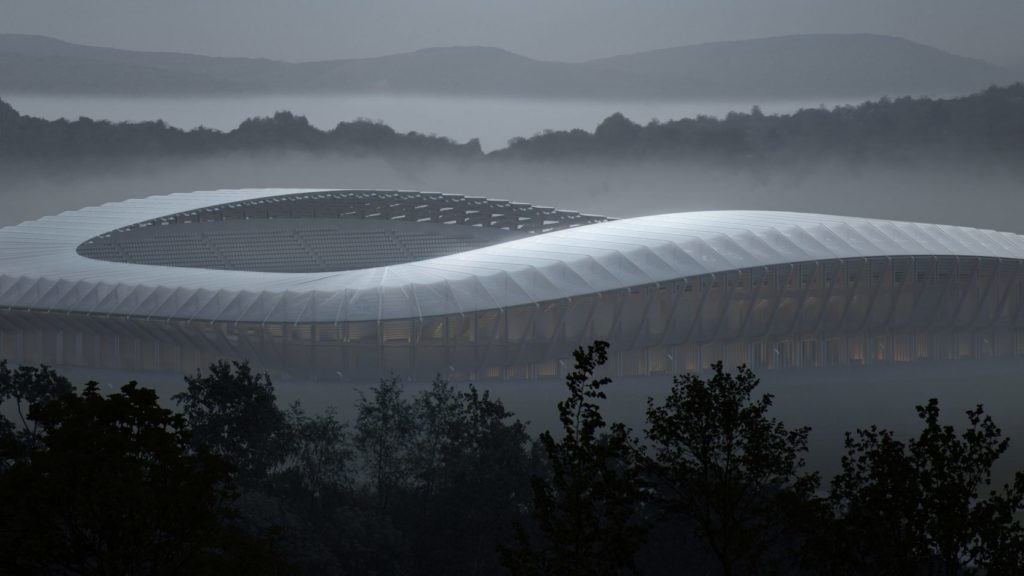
(34, 64)
(817, 65)
(786, 67)
(470, 70)
(41, 64)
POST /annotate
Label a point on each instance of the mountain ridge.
(861, 65)
(838, 63)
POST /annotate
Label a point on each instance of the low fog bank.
(830, 401)
(970, 193)
(493, 120)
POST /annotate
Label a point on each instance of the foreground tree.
(440, 430)
(587, 510)
(233, 411)
(27, 385)
(9, 445)
(113, 487)
(720, 462)
(19, 389)
(471, 469)
(384, 436)
(927, 506)
(318, 451)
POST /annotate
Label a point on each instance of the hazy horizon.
(1012, 62)
(558, 30)
(492, 120)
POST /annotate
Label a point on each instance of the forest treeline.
(449, 482)
(988, 124)
(27, 138)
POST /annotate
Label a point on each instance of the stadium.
(356, 284)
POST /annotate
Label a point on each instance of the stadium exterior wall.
(817, 314)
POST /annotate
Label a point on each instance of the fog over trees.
(987, 125)
(449, 481)
(850, 161)
(31, 139)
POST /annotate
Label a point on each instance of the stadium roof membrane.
(518, 254)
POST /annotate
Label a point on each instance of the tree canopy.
(988, 124)
(587, 507)
(113, 487)
(448, 481)
(720, 461)
(927, 505)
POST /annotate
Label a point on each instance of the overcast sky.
(547, 29)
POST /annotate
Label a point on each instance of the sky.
(567, 30)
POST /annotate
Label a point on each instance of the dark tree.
(309, 498)
(10, 445)
(439, 432)
(587, 510)
(384, 436)
(19, 389)
(234, 412)
(319, 451)
(471, 467)
(720, 462)
(114, 488)
(927, 506)
(27, 385)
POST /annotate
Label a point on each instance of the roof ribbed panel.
(41, 270)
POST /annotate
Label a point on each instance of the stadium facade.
(359, 283)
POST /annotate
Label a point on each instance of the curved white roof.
(40, 269)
